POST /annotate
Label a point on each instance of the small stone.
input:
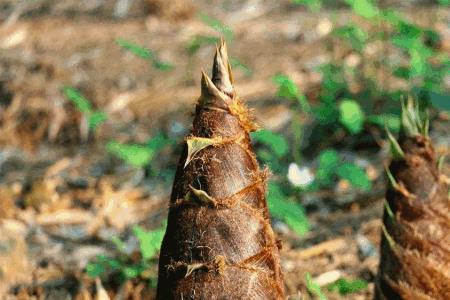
(324, 27)
(366, 248)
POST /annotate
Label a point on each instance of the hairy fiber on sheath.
(219, 243)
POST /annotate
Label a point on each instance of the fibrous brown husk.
(219, 243)
(415, 248)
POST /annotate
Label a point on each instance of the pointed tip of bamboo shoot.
(210, 90)
(208, 87)
(412, 121)
(221, 72)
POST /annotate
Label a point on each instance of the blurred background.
(96, 97)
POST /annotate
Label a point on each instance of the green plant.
(138, 155)
(345, 287)
(123, 264)
(198, 41)
(314, 288)
(83, 105)
(355, 175)
(276, 146)
(149, 241)
(289, 90)
(422, 64)
(329, 162)
(391, 121)
(217, 25)
(351, 115)
(313, 5)
(146, 54)
(364, 8)
(272, 150)
(283, 208)
(356, 36)
(331, 166)
(236, 63)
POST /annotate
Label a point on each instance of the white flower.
(300, 177)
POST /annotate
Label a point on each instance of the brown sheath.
(219, 243)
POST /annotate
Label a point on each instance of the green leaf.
(328, 159)
(432, 37)
(344, 286)
(131, 272)
(134, 271)
(81, 103)
(94, 269)
(218, 26)
(391, 121)
(267, 157)
(159, 141)
(313, 5)
(404, 42)
(444, 2)
(136, 49)
(286, 87)
(84, 106)
(96, 118)
(328, 163)
(101, 265)
(355, 175)
(145, 53)
(364, 8)
(149, 241)
(408, 29)
(314, 288)
(326, 113)
(392, 16)
(351, 115)
(333, 85)
(402, 72)
(236, 63)
(163, 66)
(200, 40)
(109, 262)
(280, 207)
(354, 34)
(274, 141)
(419, 60)
(136, 155)
(120, 245)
